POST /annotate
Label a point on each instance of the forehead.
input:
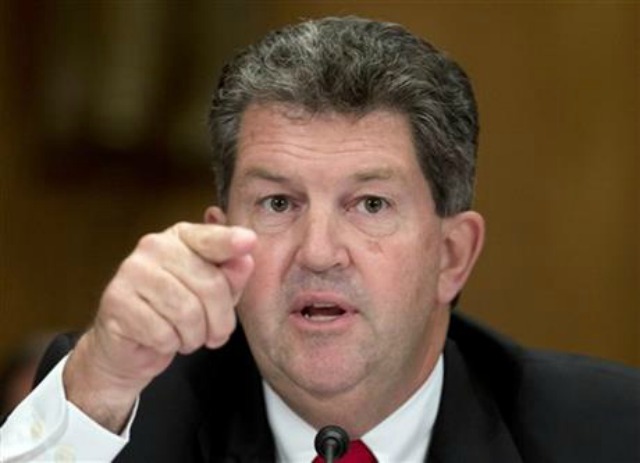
(279, 136)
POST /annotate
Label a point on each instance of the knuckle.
(229, 324)
(164, 340)
(150, 242)
(216, 286)
(180, 226)
(189, 346)
(112, 299)
(132, 265)
(221, 329)
(187, 349)
(216, 341)
(111, 325)
(189, 311)
(185, 232)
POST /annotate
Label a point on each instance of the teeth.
(322, 311)
(321, 305)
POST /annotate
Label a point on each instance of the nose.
(321, 245)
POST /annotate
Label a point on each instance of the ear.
(215, 215)
(463, 238)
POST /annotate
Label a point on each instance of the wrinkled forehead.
(270, 127)
(276, 122)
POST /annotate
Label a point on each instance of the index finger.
(216, 243)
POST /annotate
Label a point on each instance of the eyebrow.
(381, 173)
(364, 176)
(263, 174)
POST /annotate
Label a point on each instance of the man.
(345, 153)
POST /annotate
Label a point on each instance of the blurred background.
(103, 138)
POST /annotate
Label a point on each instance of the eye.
(276, 203)
(374, 215)
(373, 204)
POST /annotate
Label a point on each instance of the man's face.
(343, 299)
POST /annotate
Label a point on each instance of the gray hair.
(354, 66)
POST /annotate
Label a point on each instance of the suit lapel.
(250, 437)
(469, 426)
(235, 428)
(248, 440)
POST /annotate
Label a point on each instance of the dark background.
(103, 138)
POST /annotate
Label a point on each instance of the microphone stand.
(331, 443)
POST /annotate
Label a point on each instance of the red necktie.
(358, 453)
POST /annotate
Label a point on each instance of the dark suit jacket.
(500, 403)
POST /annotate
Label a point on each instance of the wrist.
(101, 395)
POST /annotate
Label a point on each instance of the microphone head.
(329, 437)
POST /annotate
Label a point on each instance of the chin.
(324, 386)
(326, 376)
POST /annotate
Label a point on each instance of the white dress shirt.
(47, 427)
(403, 437)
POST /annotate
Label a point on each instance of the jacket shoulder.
(592, 405)
(559, 407)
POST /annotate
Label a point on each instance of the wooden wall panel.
(557, 86)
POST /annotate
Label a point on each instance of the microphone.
(331, 443)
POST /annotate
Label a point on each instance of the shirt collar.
(402, 436)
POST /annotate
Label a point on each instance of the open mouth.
(323, 308)
(322, 311)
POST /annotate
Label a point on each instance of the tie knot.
(358, 452)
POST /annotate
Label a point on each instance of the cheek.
(406, 271)
(374, 247)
